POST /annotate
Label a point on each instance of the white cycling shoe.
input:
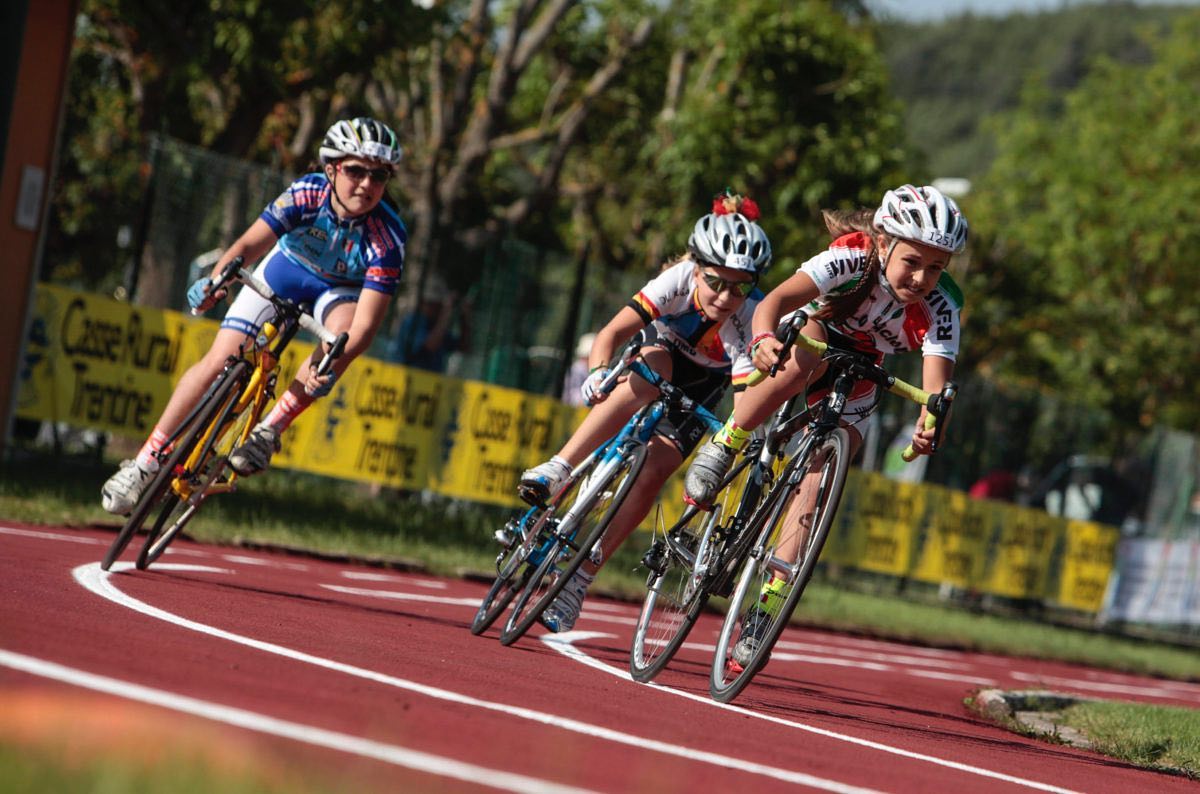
(125, 488)
(564, 610)
(543, 481)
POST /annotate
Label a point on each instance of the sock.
(146, 459)
(770, 599)
(732, 436)
(285, 411)
(561, 461)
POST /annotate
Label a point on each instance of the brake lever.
(940, 406)
(333, 354)
(787, 333)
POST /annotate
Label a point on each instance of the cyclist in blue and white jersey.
(330, 241)
(704, 302)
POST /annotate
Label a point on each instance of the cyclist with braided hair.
(329, 241)
(703, 302)
(881, 287)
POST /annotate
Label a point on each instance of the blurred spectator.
(439, 326)
(999, 484)
(572, 392)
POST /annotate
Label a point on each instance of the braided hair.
(841, 223)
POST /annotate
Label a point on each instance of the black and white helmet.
(923, 215)
(732, 241)
(361, 137)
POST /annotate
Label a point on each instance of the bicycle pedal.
(532, 495)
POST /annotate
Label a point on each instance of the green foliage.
(788, 103)
(1088, 224)
(954, 75)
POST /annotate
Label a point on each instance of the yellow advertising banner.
(877, 524)
(1020, 562)
(1089, 551)
(955, 541)
(95, 362)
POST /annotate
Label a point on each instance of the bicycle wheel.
(675, 592)
(770, 587)
(593, 500)
(512, 572)
(160, 487)
(177, 511)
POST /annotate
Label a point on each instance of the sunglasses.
(718, 284)
(358, 173)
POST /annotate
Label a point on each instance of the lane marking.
(398, 596)
(98, 582)
(265, 562)
(1103, 686)
(308, 734)
(564, 644)
(29, 533)
(470, 602)
(893, 658)
(366, 576)
(966, 679)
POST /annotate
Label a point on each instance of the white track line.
(389, 753)
(563, 643)
(96, 581)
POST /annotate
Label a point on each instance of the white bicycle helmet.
(923, 215)
(732, 241)
(361, 137)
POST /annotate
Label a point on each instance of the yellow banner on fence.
(955, 541)
(1024, 548)
(1089, 552)
(876, 521)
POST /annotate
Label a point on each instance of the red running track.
(371, 679)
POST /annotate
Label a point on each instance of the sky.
(933, 10)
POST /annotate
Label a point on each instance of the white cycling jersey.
(882, 323)
(669, 301)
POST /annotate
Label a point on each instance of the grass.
(50, 765)
(1154, 737)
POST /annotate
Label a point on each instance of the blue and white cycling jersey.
(669, 301)
(367, 251)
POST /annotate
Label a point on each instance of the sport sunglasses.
(718, 284)
(358, 173)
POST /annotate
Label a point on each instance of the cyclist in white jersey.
(881, 287)
(330, 241)
(703, 302)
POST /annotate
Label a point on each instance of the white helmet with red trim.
(923, 215)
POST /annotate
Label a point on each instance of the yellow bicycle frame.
(253, 395)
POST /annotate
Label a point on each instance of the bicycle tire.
(674, 597)
(160, 486)
(512, 571)
(727, 678)
(217, 411)
(523, 614)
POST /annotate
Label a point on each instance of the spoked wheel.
(512, 572)
(770, 586)
(582, 514)
(200, 469)
(675, 594)
(160, 494)
(685, 564)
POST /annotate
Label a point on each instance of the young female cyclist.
(331, 242)
(704, 302)
(880, 287)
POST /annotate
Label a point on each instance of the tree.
(1089, 221)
